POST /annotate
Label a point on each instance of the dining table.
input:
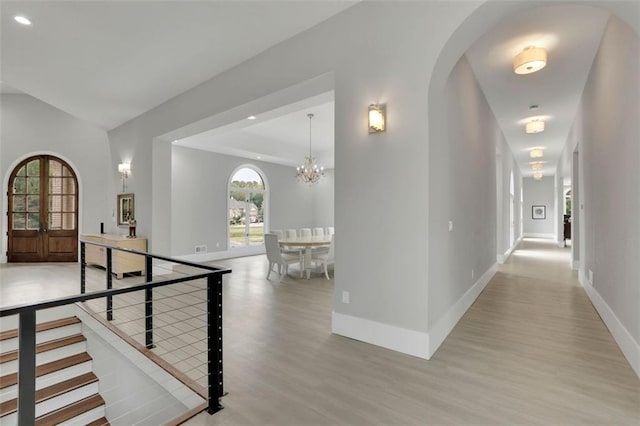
(307, 244)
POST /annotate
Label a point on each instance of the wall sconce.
(377, 118)
(124, 169)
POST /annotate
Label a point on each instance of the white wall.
(324, 200)
(606, 133)
(462, 190)
(199, 191)
(539, 193)
(31, 127)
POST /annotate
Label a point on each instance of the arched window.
(247, 207)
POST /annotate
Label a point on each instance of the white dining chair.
(326, 258)
(305, 232)
(288, 250)
(318, 232)
(277, 258)
(331, 230)
(291, 233)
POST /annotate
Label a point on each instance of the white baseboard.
(535, 235)
(399, 339)
(225, 254)
(445, 324)
(503, 257)
(629, 347)
(410, 342)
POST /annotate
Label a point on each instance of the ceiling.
(281, 136)
(571, 34)
(110, 61)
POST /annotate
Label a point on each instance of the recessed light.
(259, 158)
(251, 117)
(22, 20)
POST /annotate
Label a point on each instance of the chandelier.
(309, 172)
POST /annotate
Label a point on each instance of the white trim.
(445, 324)
(410, 342)
(388, 336)
(535, 235)
(629, 347)
(575, 265)
(224, 254)
(502, 258)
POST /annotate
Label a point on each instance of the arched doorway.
(42, 211)
(247, 207)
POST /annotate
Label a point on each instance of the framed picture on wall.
(538, 212)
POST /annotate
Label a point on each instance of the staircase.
(66, 388)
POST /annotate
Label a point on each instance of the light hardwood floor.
(531, 350)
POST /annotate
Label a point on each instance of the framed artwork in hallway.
(538, 212)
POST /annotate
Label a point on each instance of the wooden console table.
(121, 262)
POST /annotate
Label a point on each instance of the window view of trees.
(246, 208)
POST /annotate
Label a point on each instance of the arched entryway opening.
(42, 211)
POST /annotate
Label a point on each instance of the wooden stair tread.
(43, 326)
(70, 411)
(45, 346)
(100, 422)
(50, 367)
(52, 391)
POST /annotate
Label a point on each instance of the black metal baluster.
(27, 368)
(148, 304)
(214, 342)
(83, 267)
(109, 286)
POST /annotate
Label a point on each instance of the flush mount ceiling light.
(309, 172)
(530, 60)
(536, 153)
(537, 175)
(251, 117)
(22, 20)
(537, 166)
(534, 126)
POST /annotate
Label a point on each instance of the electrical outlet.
(345, 297)
(218, 245)
(473, 273)
(450, 225)
(201, 249)
(590, 277)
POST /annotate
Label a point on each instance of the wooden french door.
(43, 211)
